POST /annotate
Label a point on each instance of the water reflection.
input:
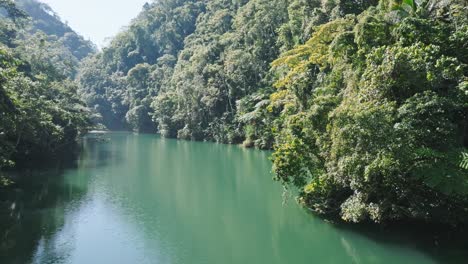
(32, 212)
(165, 201)
(34, 209)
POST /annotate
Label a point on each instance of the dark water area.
(143, 199)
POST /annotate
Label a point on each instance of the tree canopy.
(364, 102)
(41, 113)
(44, 19)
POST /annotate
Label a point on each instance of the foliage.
(121, 82)
(394, 124)
(45, 20)
(464, 161)
(41, 114)
(364, 102)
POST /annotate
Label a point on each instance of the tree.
(41, 115)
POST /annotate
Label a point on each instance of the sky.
(97, 20)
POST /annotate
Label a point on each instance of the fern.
(464, 160)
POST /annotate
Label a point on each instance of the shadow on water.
(23, 209)
(98, 152)
(33, 208)
(219, 205)
(443, 244)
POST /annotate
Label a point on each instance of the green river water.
(143, 199)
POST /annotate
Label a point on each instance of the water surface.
(142, 199)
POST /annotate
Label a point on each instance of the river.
(143, 199)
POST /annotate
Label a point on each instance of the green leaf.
(410, 3)
(464, 161)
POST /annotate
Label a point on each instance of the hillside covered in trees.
(44, 20)
(41, 115)
(364, 102)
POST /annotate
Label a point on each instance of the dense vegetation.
(44, 20)
(364, 102)
(41, 114)
(373, 119)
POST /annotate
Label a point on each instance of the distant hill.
(46, 20)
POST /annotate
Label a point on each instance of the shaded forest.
(41, 113)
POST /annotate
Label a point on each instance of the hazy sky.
(97, 19)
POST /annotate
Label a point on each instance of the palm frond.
(464, 160)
